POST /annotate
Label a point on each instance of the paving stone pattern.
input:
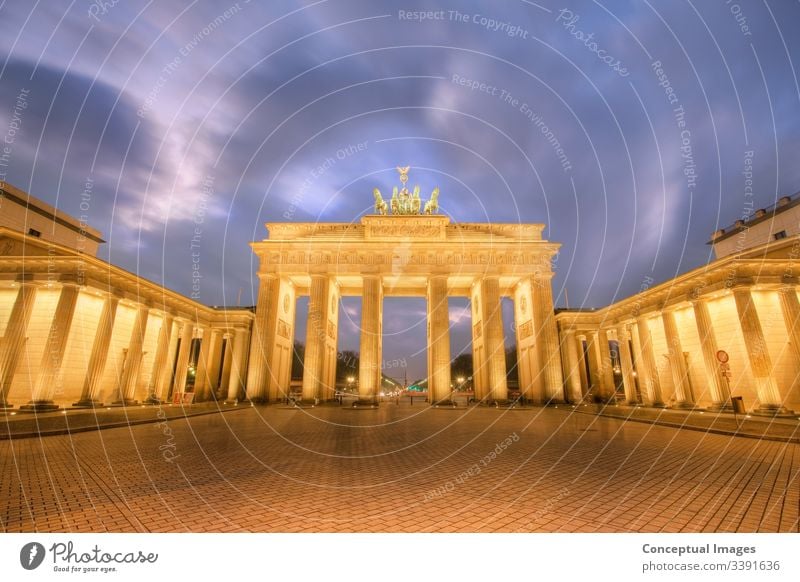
(398, 469)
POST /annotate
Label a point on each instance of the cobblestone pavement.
(398, 469)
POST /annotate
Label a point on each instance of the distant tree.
(461, 366)
(298, 355)
(512, 369)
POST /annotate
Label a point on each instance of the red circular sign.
(722, 356)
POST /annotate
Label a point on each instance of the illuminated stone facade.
(662, 346)
(406, 256)
(78, 331)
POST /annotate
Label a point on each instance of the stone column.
(262, 337)
(680, 375)
(478, 351)
(438, 339)
(158, 378)
(182, 364)
(99, 355)
(227, 357)
(573, 367)
(585, 380)
(720, 394)
(13, 342)
(648, 372)
(608, 390)
(201, 374)
(545, 324)
(494, 346)
(595, 366)
(790, 308)
(369, 369)
(770, 402)
(316, 330)
(626, 365)
(238, 355)
(331, 359)
(214, 362)
(50, 367)
(133, 361)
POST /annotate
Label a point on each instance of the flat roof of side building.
(42, 208)
(782, 205)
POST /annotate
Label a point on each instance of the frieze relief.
(408, 257)
(283, 329)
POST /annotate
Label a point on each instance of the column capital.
(69, 280)
(740, 284)
(24, 279)
(542, 275)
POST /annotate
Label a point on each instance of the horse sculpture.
(432, 205)
(380, 203)
(416, 202)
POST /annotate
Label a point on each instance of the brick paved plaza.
(398, 469)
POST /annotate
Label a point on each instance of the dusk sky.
(625, 127)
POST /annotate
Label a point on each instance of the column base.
(721, 407)
(125, 402)
(88, 403)
(5, 405)
(775, 411)
(687, 406)
(39, 406)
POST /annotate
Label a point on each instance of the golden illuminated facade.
(727, 329)
(77, 331)
(405, 256)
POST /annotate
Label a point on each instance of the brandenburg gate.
(405, 249)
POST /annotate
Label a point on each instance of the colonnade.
(737, 326)
(220, 363)
(270, 375)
